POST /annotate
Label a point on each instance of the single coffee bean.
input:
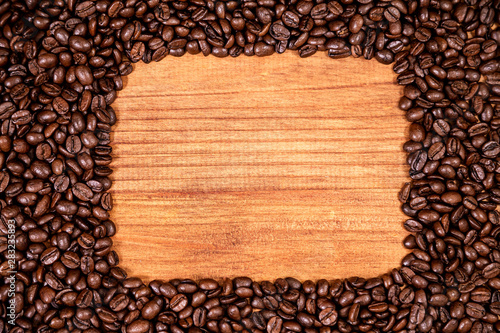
(274, 325)
(138, 326)
(178, 302)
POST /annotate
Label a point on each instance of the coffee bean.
(356, 23)
(417, 314)
(53, 281)
(50, 256)
(150, 310)
(437, 151)
(417, 132)
(328, 317)
(279, 32)
(274, 325)
(262, 49)
(178, 302)
(138, 326)
(85, 9)
(47, 60)
(61, 65)
(491, 149)
(290, 19)
(491, 271)
(84, 75)
(307, 51)
(65, 207)
(7, 109)
(475, 310)
(392, 14)
(423, 34)
(21, 117)
(384, 56)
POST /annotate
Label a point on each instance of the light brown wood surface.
(265, 167)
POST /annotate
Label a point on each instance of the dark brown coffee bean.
(262, 49)
(66, 207)
(84, 75)
(7, 109)
(150, 310)
(356, 23)
(119, 302)
(178, 302)
(491, 149)
(307, 51)
(85, 9)
(417, 132)
(274, 325)
(392, 14)
(290, 19)
(279, 32)
(21, 117)
(61, 65)
(384, 56)
(437, 151)
(138, 326)
(50, 256)
(47, 60)
(328, 316)
(417, 314)
(475, 310)
(491, 271)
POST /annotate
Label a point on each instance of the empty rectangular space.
(265, 167)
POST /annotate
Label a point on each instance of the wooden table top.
(264, 167)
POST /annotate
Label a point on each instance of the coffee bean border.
(61, 65)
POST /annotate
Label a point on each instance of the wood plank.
(266, 167)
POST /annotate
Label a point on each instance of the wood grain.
(266, 167)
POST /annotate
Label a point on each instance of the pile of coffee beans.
(61, 65)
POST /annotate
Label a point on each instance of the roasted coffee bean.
(138, 326)
(437, 151)
(475, 310)
(50, 256)
(328, 316)
(417, 132)
(491, 271)
(47, 60)
(61, 65)
(178, 302)
(85, 8)
(274, 325)
(84, 75)
(417, 313)
(491, 149)
(356, 23)
(384, 56)
(290, 19)
(279, 32)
